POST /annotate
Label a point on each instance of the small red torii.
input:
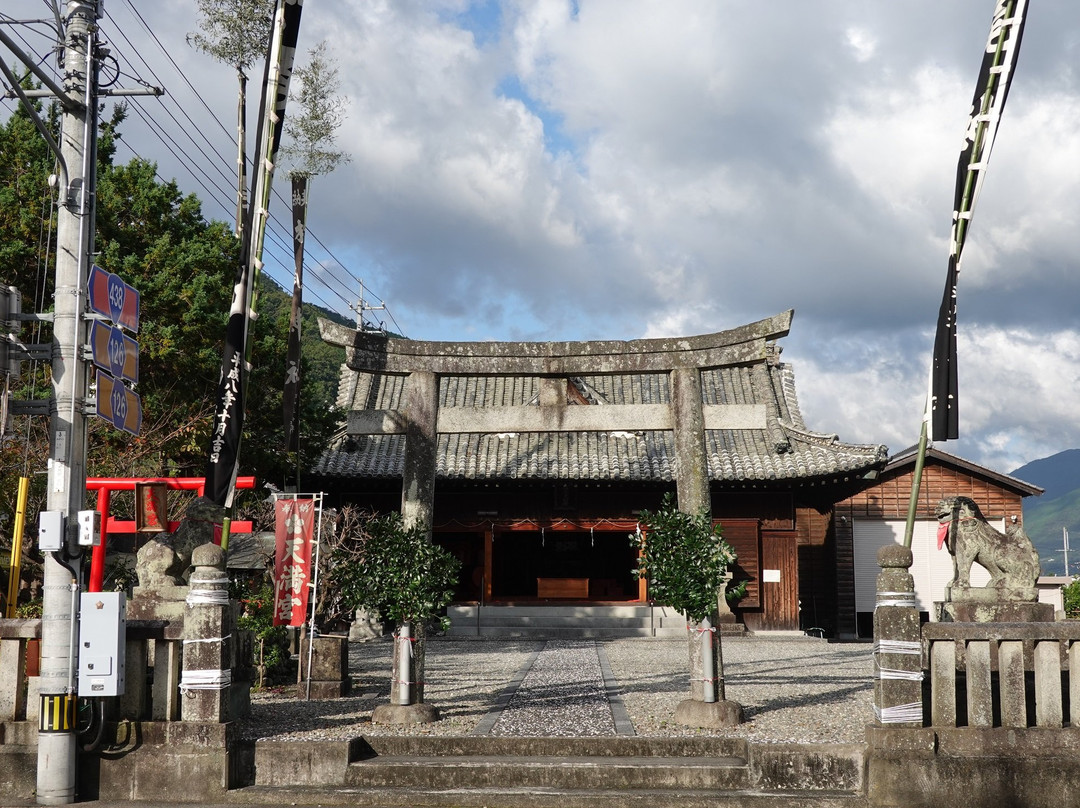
(106, 485)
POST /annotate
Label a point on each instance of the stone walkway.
(566, 689)
(793, 690)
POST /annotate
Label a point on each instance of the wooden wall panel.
(889, 498)
(779, 599)
(744, 536)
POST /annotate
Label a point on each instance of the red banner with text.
(294, 528)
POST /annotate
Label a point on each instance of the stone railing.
(16, 693)
(153, 651)
(1005, 674)
(943, 675)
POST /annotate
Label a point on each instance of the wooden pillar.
(421, 443)
(691, 467)
(489, 547)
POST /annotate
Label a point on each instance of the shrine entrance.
(558, 560)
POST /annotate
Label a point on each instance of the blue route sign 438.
(111, 297)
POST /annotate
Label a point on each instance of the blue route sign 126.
(111, 297)
(114, 351)
(118, 404)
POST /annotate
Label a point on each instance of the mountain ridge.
(1058, 508)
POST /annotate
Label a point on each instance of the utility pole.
(79, 58)
(67, 424)
(1065, 546)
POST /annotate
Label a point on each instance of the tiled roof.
(784, 450)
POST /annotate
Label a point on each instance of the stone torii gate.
(421, 419)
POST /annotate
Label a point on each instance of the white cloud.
(620, 168)
(862, 42)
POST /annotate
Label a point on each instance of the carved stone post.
(417, 508)
(208, 628)
(897, 643)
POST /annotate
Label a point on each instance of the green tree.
(683, 557)
(236, 33)
(311, 129)
(1071, 596)
(685, 560)
(381, 565)
(158, 240)
(386, 567)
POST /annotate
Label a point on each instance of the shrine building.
(532, 461)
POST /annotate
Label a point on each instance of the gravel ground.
(792, 689)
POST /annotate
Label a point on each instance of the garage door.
(931, 568)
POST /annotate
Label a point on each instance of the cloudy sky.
(581, 169)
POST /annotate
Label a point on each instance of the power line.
(275, 190)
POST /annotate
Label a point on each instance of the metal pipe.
(708, 662)
(66, 101)
(314, 584)
(403, 689)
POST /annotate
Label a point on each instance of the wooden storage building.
(877, 515)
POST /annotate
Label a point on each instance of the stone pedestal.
(159, 602)
(973, 611)
(709, 715)
(329, 668)
(208, 626)
(405, 714)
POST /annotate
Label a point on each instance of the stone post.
(898, 669)
(407, 686)
(208, 627)
(723, 610)
(691, 468)
(421, 441)
(707, 706)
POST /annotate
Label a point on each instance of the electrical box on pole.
(102, 640)
(89, 528)
(50, 531)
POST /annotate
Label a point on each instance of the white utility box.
(102, 637)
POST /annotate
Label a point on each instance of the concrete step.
(556, 632)
(532, 797)
(601, 772)
(553, 746)
(445, 773)
(549, 621)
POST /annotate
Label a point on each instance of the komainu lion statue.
(1010, 558)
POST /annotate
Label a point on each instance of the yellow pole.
(16, 547)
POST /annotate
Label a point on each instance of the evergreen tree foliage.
(381, 565)
(683, 557)
(234, 32)
(158, 240)
(311, 129)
